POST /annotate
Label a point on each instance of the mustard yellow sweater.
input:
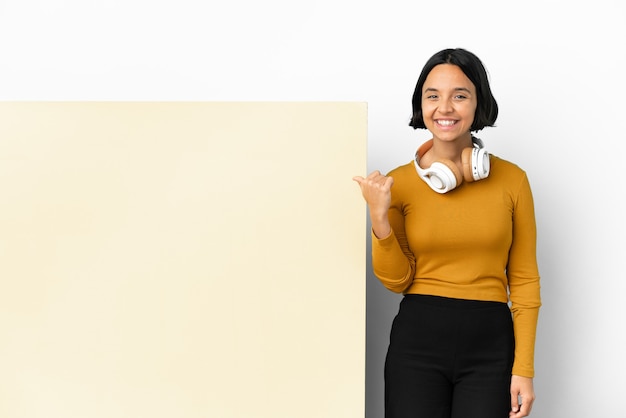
(477, 241)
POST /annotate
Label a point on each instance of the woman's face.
(448, 102)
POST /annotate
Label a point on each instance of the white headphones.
(444, 175)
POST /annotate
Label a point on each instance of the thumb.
(358, 179)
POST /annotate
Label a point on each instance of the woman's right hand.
(376, 190)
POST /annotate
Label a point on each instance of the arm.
(391, 258)
(524, 287)
(523, 278)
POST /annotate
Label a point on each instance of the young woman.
(454, 231)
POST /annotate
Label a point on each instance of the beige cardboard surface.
(182, 260)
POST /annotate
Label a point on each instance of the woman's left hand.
(522, 389)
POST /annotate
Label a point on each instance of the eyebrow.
(455, 89)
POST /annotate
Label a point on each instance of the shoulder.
(406, 182)
(501, 166)
(508, 175)
(404, 171)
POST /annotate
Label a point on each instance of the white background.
(556, 69)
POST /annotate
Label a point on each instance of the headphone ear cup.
(475, 164)
(454, 169)
(442, 176)
(466, 159)
(482, 163)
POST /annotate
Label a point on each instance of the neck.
(451, 150)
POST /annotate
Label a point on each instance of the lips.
(445, 122)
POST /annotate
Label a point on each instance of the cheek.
(427, 110)
(469, 114)
(472, 111)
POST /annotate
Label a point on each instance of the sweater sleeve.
(392, 260)
(523, 279)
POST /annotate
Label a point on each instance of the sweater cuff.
(382, 242)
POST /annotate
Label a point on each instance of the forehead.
(447, 76)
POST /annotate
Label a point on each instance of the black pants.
(449, 358)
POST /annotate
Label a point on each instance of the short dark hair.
(473, 68)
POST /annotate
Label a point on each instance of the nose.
(445, 106)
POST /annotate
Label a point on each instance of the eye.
(431, 97)
(460, 97)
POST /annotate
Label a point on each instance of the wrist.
(381, 231)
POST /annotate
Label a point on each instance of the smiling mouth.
(445, 122)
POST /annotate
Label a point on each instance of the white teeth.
(445, 122)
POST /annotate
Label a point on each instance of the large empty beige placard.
(182, 260)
